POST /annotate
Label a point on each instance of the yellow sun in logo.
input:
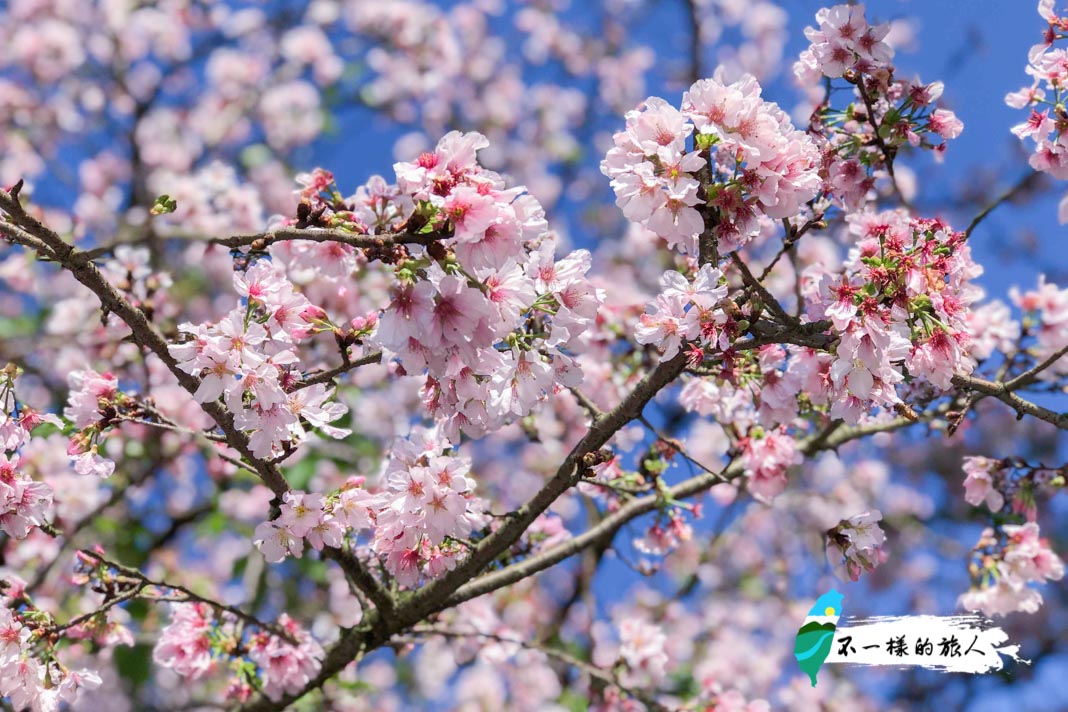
(828, 611)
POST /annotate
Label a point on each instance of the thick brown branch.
(1003, 393)
(607, 527)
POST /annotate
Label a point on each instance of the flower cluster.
(758, 387)
(902, 305)
(1048, 127)
(980, 483)
(746, 163)
(685, 311)
(1046, 307)
(488, 314)
(855, 544)
(285, 667)
(31, 676)
(187, 643)
(246, 358)
(198, 637)
(899, 111)
(24, 503)
(845, 41)
(30, 681)
(641, 650)
(426, 508)
(995, 482)
(304, 516)
(665, 534)
(1005, 565)
(423, 509)
(95, 403)
(766, 456)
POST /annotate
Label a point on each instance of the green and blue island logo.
(815, 639)
(961, 644)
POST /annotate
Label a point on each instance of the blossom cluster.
(686, 311)
(855, 544)
(312, 517)
(186, 644)
(423, 509)
(198, 637)
(981, 482)
(493, 319)
(427, 507)
(247, 357)
(901, 306)
(899, 111)
(1046, 307)
(1004, 566)
(746, 163)
(665, 534)
(898, 309)
(1048, 127)
(641, 650)
(285, 667)
(32, 684)
(754, 395)
(996, 481)
(845, 41)
(766, 457)
(24, 503)
(95, 403)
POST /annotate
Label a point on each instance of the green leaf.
(164, 204)
(705, 141)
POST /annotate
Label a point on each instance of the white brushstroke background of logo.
(989, 639)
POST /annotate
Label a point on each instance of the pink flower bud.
(313, 313)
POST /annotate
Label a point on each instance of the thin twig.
(1020, 186)
(328, 376)
(141, 582)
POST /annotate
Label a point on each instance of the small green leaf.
(705, 141)
(164, 204)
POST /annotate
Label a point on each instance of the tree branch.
(1003, 393)
(1021, 185)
